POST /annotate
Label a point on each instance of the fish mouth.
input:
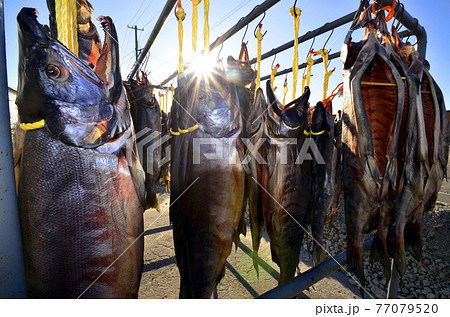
(31, 31)
(85, 114)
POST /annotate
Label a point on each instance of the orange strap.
(390, 8)
(336, 91)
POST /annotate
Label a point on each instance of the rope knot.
(180, 14)
(295, 12)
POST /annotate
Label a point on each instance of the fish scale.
(66, 222)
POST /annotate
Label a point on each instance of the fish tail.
(379, 252)
(152, 201)
(397, 252)
(413, 238)
(355, 263)
(255, 258)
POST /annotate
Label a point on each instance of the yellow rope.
(180, 17)
(272, 76)
(167, 99)
(66, 21)
(195, 4)
(285, 86)
(33, 126)
(309, 62)
(161, 100)
(259, 37)
(295, 12)
(327, 74)
(206, 27)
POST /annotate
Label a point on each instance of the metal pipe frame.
(12, 272)
(298, 284)
(170, 4)
(309, 35)
(412, 24)
(256, 12)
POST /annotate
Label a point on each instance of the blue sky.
(163, 61)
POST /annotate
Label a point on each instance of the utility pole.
(136, 29)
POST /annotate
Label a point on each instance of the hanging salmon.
(287, 180)
(208, 179)
(243, 75)
(371, 120)
(81, 183)
(146, 115)
(323, 175)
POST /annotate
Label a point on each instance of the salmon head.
(81, 106)
(214, 102)
(290, 120)
(140, 92)
(322, 120)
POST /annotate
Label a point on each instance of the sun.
(203, 65)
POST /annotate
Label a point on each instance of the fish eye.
(53, 71)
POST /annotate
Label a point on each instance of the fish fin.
(271, 159)
(243, 154)
(318, 255)
(427, 168)
(136, 171)
(372, 167)
(443, 164)
(391, 172)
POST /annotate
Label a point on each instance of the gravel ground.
(429, 278)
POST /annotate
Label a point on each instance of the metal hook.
(401, 15)
(307, 54)
(328, 39)
(295, 13)
(220, 51)
(254, 32)
(274, 58)
(245, 33)
(413, 30)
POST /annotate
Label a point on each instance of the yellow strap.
(180, 17)
(309, 133)
(173, 132)
(272, 76)
(318, 133)
(295, 12)
(259, 37)
(66, 21)
(33, 126)
(285, 86)
(290, 128)
(195, 4)
(193, 128)
(206, 27)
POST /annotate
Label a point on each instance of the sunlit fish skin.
(80, 182)
(207, 194)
